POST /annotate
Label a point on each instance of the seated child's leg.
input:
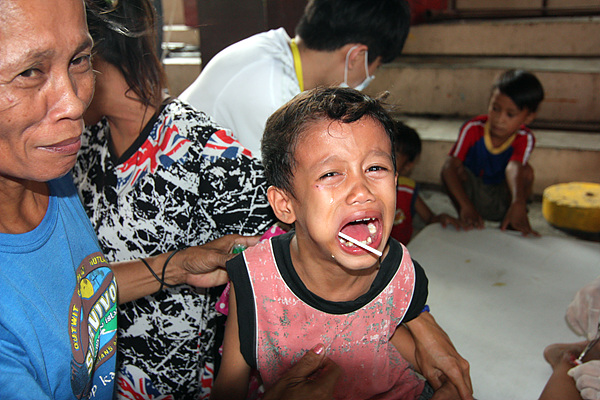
(528, 176)
(561, 386)
(490, 201)
(453, 164)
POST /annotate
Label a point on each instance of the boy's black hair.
(286, 126)
(523, 88)
(381, 25)
(124, 36)
(407, 141)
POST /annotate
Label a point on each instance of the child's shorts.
(490, 201)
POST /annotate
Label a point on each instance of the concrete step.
(181, 34)
(559, 156)
(460, 86)
(561, 37)
(181, 69)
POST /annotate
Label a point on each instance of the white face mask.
(368, 78)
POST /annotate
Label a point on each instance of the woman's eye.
(377, 168)
(82, 61)
(30, 73)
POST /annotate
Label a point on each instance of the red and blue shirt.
(475, 149)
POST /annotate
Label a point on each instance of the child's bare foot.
(555, 353)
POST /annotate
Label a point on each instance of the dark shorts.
(490, 201)
(427, 392)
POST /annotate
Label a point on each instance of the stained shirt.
(280, 320)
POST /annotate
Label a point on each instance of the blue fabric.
(489, 167)
(57, 307)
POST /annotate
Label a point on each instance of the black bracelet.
(162, 281)
(159, 279)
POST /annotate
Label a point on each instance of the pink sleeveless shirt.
(287, 327)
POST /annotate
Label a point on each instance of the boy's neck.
(328, 279)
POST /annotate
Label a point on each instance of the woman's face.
(46, 83)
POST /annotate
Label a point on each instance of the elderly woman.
(58, 304)
(53, 276)
(155, 176)
(57, 310)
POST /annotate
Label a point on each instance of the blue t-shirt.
(57, 307)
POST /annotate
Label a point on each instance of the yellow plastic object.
(574, 205)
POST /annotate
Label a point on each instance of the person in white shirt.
(337, 42)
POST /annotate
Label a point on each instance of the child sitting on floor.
(328, 156)
(487, 173)
(408, 202)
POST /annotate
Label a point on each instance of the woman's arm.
(437, 357)
(234, 375)
(201, 266)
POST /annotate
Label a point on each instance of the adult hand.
(587, 379)
(313, 377)
(203, 266)
(470, 218)
(437, 357)
(583, 314)
(446, 392)
(517, 219)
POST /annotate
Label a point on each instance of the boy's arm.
(469, 217)
(405, 344)
(520, 180)
(234, 374)
(429, 217)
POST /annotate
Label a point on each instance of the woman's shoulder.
(184, 113)
(96, 133)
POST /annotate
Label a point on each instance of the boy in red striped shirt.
(487, 173)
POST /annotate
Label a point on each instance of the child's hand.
(516, 218)
(470, 218)
(446, 219)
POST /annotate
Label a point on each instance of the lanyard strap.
(297, 64)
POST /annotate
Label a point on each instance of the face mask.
(368, 78)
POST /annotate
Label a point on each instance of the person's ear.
(281, 203)
(357, 52)
(530, 117)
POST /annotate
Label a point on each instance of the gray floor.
(440, 203)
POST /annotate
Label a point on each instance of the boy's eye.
(377, 168)
(328, 175)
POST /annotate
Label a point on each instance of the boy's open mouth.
(366, 231)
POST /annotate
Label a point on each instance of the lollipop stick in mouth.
(360, 244)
